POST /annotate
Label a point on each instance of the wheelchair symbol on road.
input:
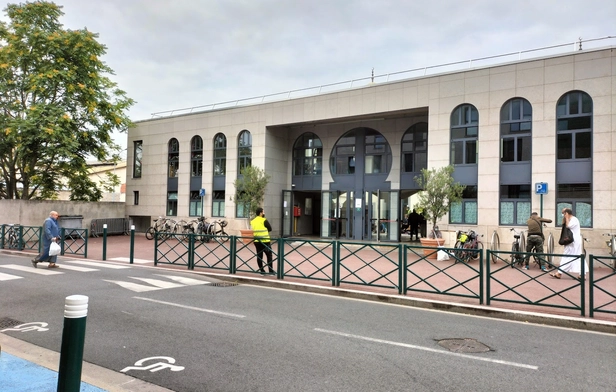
(154, 367)
(28, 327)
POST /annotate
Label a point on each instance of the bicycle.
(161, 225)
(467, 247)
(519, 243)
(494, 246)
(12, 241)
(611, 244)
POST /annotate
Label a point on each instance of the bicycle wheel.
(149, 233)
(468, 251)
(515, 247)
(476, 253)
(494, 246)
(550, 245)
(458, 253)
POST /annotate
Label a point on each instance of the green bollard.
(132, 243)
(104, 242)
(73, 336)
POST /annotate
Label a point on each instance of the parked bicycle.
(163, 226)
(467, 247)
(517, 247)
(11, 238)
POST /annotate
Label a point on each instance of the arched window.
(415, 148)
(574, 116)
(220, 155)
(244, 151)
(196, 156)
(173, 158)
(464, 132)
(220, 171)
(516, 123)
(307, 155)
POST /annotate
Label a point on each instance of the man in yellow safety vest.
(261, 228)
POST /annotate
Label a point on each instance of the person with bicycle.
(535, 239)
(51, 233)
(261, 228)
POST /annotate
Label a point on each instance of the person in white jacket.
(572, 264)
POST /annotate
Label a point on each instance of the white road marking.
(97, 265)
(139, 288)
(159, 283)
(65, 266)
(432, 350)
(184, 280)
(42, 270)
(135, 261)
(191, 307)
(4, 277)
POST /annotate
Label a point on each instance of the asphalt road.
(202, 337)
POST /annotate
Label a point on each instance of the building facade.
(523, 136)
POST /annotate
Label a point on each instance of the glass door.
(337, 214)
(287, 217)
(382, 211)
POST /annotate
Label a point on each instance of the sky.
(177, 54)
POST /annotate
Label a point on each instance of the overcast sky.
(172, 54)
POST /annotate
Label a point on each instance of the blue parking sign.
(202, 192)
(541, 188)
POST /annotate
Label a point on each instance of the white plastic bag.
(442, 255)
(54, 249)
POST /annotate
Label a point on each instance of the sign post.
(202, 194)
(541, 188)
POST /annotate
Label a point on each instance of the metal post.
(73, 336)
(132, 243)
(104, 242)
(541, 205)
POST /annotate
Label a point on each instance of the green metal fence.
(505, 283)
(602, 280)
(74, 241)
(368, 264)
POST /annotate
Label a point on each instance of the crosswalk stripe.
(30, 269)
(139, 288)
(135, 261)
(66, 266)
(159, 283)
(4, 277)
(97, 265)
(184, 280)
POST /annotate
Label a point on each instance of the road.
(201, 336)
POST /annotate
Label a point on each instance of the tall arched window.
(574, 116)
(220, 171)
(464, 131)
(415, 148)
(244, 159)
(516, 125)
(196, 156)
(244, 151)
(173, 165)
(307, 155)
(173, 159)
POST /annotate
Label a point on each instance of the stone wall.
(34, 212)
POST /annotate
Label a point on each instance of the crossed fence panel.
(74, 241)
(170, 248)
(451, 277)
(531, 287)
(211, 252)
(369, 265)
(602, 280)
(308, 259)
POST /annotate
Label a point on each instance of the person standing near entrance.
(261, 228)
(414, 220)
(51, 232)
(535, 238)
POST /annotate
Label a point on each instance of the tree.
(250, 189)
(439, 191)
(58, 107)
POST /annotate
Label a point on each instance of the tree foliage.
(439, 192)
(58, 106)
(250, 189)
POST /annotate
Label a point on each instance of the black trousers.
(264, 247)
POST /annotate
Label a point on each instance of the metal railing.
(114, 226)
(384, 78)
(602, 293)
(74, 242)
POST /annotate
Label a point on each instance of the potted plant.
(250, 193)
(439, 192)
